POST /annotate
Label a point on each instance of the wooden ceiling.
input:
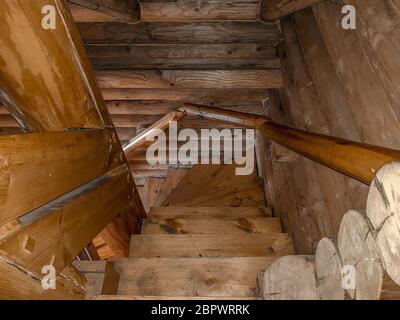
(151, 56)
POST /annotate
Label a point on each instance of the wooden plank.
(216, 186)
(121, 10)
(160, 107)
(200, 96)
(204, 10)
(101, 276)
(191, 277)
(189, 79)
(56, 233)
(271, 10)
(211, 226)
(184, 56)
(72, 159)
(56, 90)
(210, 245)
(46, 94)
(179, 32)
(15, 284)
(133, 297)
(368, 91)
(82, 14)
(209, 212)
(380, 42)
(161, 124)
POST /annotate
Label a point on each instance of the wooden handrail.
(357, 160)
(161, 124)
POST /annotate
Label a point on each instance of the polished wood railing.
(357, 160)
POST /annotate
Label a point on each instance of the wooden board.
(184, 56)
(101, 276)
(204, 10)
(16, 284)
(206, 96)
(132, 297)
(160, 107)
(210, 245)
(271, 10)
(209, 212)
(216, 186)
(56, 233)
(179, 32)
(120, 10)
(72, 159)
(211, 226)
(82, 14)
(190, 79)
(191, 277)
(54, 90)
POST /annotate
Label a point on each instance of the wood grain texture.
(56, 233)
(179, 32)
(183, 56)
(190, 276)
(16, 284)
(359, 79)
(46, 94)
(380, 42)
(200, 96)
(358, 248)
(289, 278)
(216, 186)
(83, 14)
(133, 297)
(328, 271)
(72, 159)
(384, 213)
(199, 10)
(271, 10)
(211, 245)
(209, 212)
(121, 10)
(214, 226)
(189, 79)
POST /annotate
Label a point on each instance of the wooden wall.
(339, 82)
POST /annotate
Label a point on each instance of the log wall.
(337, 82)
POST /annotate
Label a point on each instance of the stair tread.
(211, 226)
(232, 276)
(209, 212)
(134, 297)
(211, 245)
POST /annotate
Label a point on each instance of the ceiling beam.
(271, 10)
(127, 11)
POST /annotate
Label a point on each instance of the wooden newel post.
(357, 160)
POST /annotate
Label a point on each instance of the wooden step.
(209, 212)
(211, 226)
(213, 277)
(133, 297)
(211, 245)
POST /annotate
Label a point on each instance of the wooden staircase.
(198, 252)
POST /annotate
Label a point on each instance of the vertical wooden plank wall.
(337, 82)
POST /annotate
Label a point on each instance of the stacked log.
(358, 250)
(328, 271)
(289, 278)
(365, 263)
(383, 210)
